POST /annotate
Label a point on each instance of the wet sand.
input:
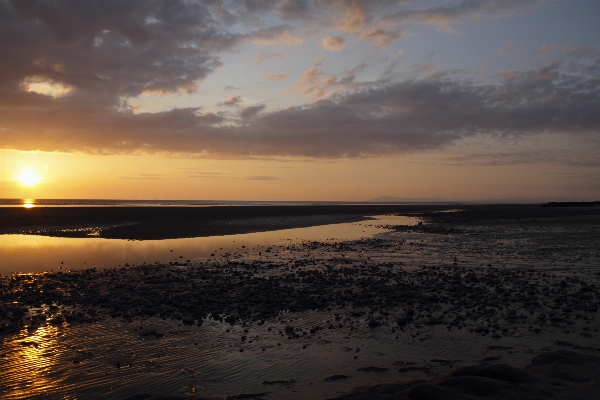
(315, 319)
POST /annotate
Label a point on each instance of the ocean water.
(155, 203)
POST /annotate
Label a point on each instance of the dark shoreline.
(143, 223)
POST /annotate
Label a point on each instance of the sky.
(314, 100)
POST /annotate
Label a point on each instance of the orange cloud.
(45, 86)
(382, 36)
(333, 43)
(273, 77)
(275, 36)
(314, 83)
(262, 56)
(353, 20)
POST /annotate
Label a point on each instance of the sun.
(28, 177)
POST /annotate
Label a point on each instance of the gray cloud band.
(89, 56)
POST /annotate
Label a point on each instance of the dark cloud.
(108, 49)
(445, 15)
(586, 158)
(259, 6)
(294, 9)
(251, 111)
(279, 34)
(385, 118)
(232, 101)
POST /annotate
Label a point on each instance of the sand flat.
(414, 303)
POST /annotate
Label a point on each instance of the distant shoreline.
(143, 223)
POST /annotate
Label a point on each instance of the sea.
(159, 203)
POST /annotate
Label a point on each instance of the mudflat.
(493, 301)
(141, 223)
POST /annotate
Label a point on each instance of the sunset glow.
(301, 100)
(29, 177)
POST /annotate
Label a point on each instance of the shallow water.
(79, 361)
(33, 253)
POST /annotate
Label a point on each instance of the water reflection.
(31, 253)
(31, 357)
(28, 203)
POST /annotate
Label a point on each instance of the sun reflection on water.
(31, 358)
(28, 203)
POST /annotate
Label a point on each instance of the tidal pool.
(34, 253)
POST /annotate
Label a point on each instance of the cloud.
(444, 16)
(333, 43)
(262, 56)
(379, 118)
(509, 48)
(274, 77)
(381, 35)
(547, 48)
(251, 111)
(314, 83)
(103, 51)
(422, 67)
(275, 35)
(353, 20)
(261, 178)
(294, 9)
(75, 66)
(231, 101)
(309, 84)
(48, 87)
(527, 156)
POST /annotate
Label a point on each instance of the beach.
(311, 319)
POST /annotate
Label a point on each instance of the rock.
(373, 323)
(500, 372)
(566, 365)
(373, 369)
(148, 332)
(332, 378)
(498, 382)
(188, 320)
